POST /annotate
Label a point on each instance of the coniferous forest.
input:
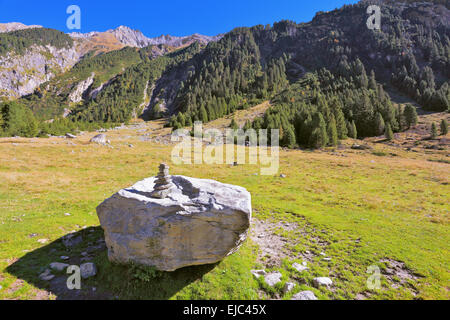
(327, 79)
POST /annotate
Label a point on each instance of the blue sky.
(173, 17)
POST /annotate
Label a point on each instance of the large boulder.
(193, 222)
(100, 139)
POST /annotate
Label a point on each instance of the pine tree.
(389, 135)
(341, 124)
(234, 125)
(444, 127)
(410, 115)
(319, 136)
(351, 128)
(181, 119)
(203, 115)
(289, 138)
(372, 81)
(332, 132)
(379, 124)
(188, 121)
(434, 132)
(1, 122)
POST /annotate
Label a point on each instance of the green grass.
(358, 209)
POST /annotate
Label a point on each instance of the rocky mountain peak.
(135, 38)
(13, 26)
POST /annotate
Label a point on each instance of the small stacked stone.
(163, 183)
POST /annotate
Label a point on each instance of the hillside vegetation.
(335, 71)
(20, 40)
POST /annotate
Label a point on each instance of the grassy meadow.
(359, 208)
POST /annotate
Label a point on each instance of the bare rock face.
(193, 222)
(77, 94)
(22, 74)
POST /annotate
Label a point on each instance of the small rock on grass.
(42, 241)
(304, 295)
(71, 241)
(88, 270)
(299, 267)
(46, 275)
(58, 266)
(258, 273)
(322, 281)
(273, 278)
(288, 287)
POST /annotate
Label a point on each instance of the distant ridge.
(13, 26)
(135, 38)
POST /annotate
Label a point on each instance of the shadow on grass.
(111, 282)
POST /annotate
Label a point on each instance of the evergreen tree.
(410, 114)
(234, 125)
(372, 81)
(319, 136)
(351, 128)
(341, 124)
(444, 127)
(203, 115)
(1, 122)
(181, 119)
(434, 132)
(289, 138)
(379, 124)
(18, 120)
(389, 135)
(248, 125)
(332, 132)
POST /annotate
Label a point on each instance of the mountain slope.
(32, 55)
(333, 69)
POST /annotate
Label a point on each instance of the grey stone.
(100, 139)
(46, 275)
(258, 273)
(273, 278)
(163, 184)
(304, 295)
(88, 270)
(58, 266)
(71, 240)
(199, 222)
(299, 267)
(322, 281)
(288, 287)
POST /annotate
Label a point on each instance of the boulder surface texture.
(198, 222)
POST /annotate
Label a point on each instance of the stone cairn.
(163, 184)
